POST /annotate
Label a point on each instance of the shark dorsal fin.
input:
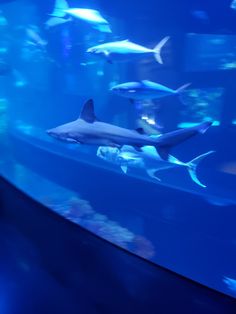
(87, 113)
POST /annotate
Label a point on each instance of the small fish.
(125, 50)
(145, 90)
(149, 160)
(92, 17)
(88, 130)
(34, 38)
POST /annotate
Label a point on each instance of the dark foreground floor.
(49, 265)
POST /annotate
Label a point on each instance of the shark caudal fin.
(157, 49)
(192, 167)
(182, 88)
(166, 141)
(59, 8)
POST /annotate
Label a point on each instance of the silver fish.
(126, 50)
(92, 17)
(149, 160)
(145, 90)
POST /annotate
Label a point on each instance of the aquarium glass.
(121, 118)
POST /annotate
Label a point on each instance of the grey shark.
(149, 160)
(88, 130)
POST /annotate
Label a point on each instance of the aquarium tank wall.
(121, 118)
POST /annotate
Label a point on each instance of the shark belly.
(120, 56)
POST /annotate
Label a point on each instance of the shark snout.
(115, 89)
(91, 50)
(50, 132)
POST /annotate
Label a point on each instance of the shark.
(62, 10)
(145, 89)
(93, 17)
(125, 50)
(87, 129)
(149, 160)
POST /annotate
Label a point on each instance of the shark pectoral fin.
(72, 141)
(107, 55)
(140, 131)
(124, 169)
(151, 173)
(87, 113)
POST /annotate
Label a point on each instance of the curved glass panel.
(123, 121)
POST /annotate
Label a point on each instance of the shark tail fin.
(59, 8)
(192, 167)
(157, 49)
(182, 88)
(166, 141)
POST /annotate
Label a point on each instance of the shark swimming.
(92, 17)
(144, 90)
(126, 50)
(149, 160)
(88, 130)
(62, 10)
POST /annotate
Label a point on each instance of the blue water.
(45, 78)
